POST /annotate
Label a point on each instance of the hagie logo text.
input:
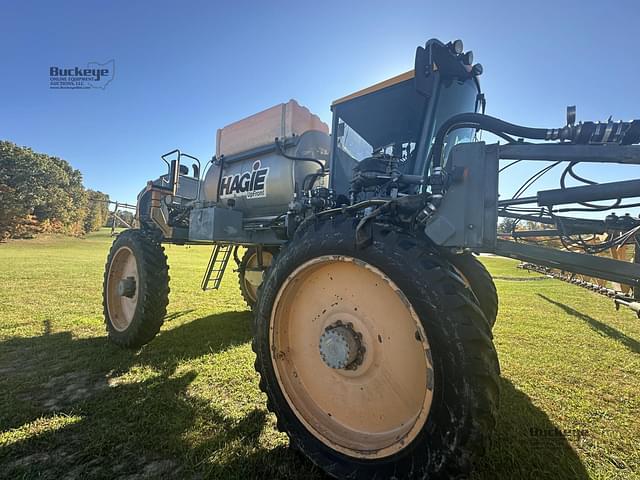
(250, 184)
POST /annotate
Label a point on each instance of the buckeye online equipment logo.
(93, 75)
(249, 184)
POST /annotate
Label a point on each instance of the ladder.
(217, 265)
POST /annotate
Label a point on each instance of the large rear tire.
(479, 280)
(377, 362)
(135, 289)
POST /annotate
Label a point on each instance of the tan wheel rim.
(378, 404)
(252, 276)
(122, 288)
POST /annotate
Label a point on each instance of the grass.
(188, 406)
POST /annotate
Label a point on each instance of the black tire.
(462, 415)
(481, 283)
(152, 289)
(249, 294)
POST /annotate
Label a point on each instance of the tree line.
(40, 193)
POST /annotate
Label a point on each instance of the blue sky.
(183, 69)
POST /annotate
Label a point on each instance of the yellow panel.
(378, 86)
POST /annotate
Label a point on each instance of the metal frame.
(600, 267)
(591, 265)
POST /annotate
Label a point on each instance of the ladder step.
(217, 266)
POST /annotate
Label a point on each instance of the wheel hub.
(127, 287)
(341, 346)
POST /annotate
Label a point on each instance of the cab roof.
(378, 86)
(387, 112)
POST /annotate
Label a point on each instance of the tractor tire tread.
(149, 317)
(464, 318)
(481, 283)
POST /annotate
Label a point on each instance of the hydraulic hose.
(483, 122)
(584, 133)
(280, 151)
(468, 120)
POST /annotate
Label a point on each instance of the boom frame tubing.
(581, 263)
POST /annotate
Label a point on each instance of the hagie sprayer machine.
(355, 249)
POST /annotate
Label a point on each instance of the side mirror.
(196, 171)
(423, 72)
(184, 170)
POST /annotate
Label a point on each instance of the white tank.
(283, 120)
(252, 174)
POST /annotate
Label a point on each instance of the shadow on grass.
(176, 315)
(632, 344)
(52, 361)
(147, 429)
(528, 445)
(156, 429)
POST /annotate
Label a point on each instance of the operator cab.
(387, 128)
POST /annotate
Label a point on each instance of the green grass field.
(188, 406)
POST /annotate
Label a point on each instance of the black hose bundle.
(482, 122)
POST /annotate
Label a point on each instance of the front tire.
(135, 289)
(418, 397)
